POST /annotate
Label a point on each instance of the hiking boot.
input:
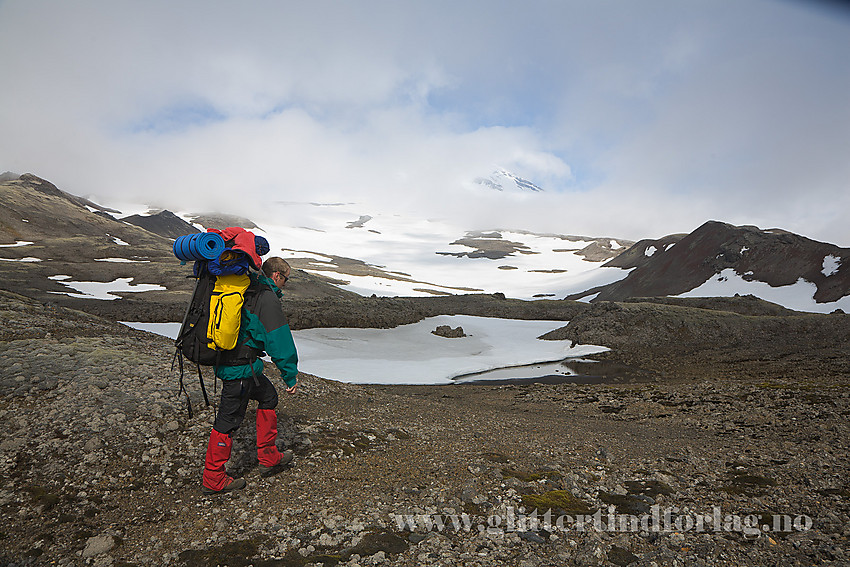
(285, 459)
(234, 484)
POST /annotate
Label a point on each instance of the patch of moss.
(625, 503)
(651, 488)
(818, 399)
(531, 477)
(399, 433)
(748, 484)
(350, 442)
(621, 556)
(376, 541)
(560, 501)
(494, 457)
(294, 559)
(41, 497)
(232, 554)
(754, 480)
(372, 542)
(841, 492)
(771, 386)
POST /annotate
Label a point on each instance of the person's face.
(280, 278)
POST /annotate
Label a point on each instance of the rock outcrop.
(676, 264)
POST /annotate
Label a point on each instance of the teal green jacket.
(266, 329)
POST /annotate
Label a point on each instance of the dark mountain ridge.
(71, 229)
(677, 264)
(163, 223)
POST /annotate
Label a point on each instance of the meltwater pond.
(412, 354)
(494, 349)
(567, 371)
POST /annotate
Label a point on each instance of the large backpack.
(209, 333)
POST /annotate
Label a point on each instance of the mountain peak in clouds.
(504, 180)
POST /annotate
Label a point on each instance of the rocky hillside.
(737, 337)
(61, 239)
(679, 263)
(163, 223)
(728, 408)
(101, 465)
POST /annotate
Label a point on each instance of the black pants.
(234, 401)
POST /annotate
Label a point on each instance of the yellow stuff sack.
(226, 311)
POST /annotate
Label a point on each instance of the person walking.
(264, 328)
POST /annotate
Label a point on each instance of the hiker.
(265, 328)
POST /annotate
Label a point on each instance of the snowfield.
(412, 354)
(799, 296)
(102, 290)
(393, 255)
(418, 254)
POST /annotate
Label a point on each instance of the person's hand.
(293, 389)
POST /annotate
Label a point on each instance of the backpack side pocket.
(226, 311)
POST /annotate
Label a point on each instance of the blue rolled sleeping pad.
(200, 246)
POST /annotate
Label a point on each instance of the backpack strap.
(178, 357)
(203, 387)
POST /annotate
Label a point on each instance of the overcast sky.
(639, 118)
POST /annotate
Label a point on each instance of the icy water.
(567, 371)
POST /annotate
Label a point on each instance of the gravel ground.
(100, 465)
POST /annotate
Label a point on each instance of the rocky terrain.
(714, 432)
(679, 263)
(101, 463)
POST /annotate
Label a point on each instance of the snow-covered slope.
(504, 180)
(719, 259)
(373, 252)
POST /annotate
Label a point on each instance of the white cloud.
(649, 118)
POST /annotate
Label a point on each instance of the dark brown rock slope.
(677, 264)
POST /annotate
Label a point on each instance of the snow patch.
(798, 296)
(27, 259)
(169, 330)
(385, 287)
(650, 251)
(830, 265)
(121, 260)
(406, 245)
(16, 244)
(411, 354)
(104, 290)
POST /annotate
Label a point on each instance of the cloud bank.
(639, 119)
